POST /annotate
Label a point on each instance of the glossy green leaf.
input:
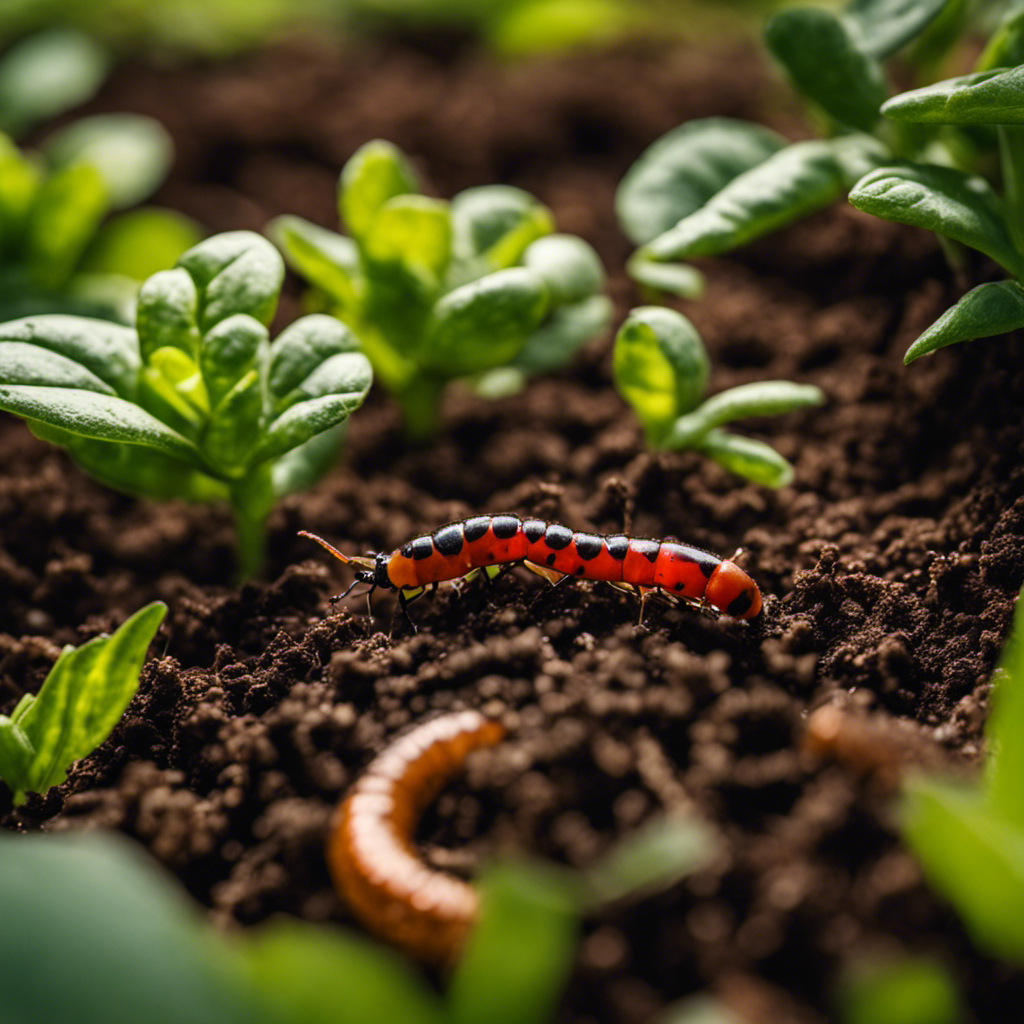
(235, 272)
(661, 367)
(680, 172)
(46, 74)
(413, 231)
(562, 333)
(973, 856)
(668, 278)
(822, 55)
(94, 932)
(81, 700)
(567, 265)
(993, 308)
(376, 172)
(168, 313)
(66, 211)
(958, 205)
(884, 26)
(495, 223)
(141, 243)
(788, 185)
(486, 323)
(325, 976)
(229, 351)
(234, 425)
(984, 97)
(21, 363)
(747, 457)
(518, 958)
(762, 398)
(101, 417)
(327, 260)
(300, 349)
(917, 989)
(132, 153)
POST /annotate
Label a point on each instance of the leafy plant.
(56, 252)
(962, 207)
(195, 402)
(95, 933)
(662, 368)
(437, 291)
(79, 703)
(969, 836)
(714, 184)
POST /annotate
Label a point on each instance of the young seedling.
(715, 184)
(969, 837)
(79, 703)
(194, 402)
(439, 291)
(960, 206)
(661, 369)
(59, 252)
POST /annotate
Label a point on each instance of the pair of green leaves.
(79, 703)
(715, 184)
(661, 369)
(437, 291)
(195, 402)
(970, 837)
(95, 933)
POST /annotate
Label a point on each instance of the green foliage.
(95, 933)
(79, 703)
(711, 186)
(916, 989)
(661, 369)
(195, 402)
(437, 291)
(969, 837)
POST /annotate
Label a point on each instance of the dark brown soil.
(891, 564)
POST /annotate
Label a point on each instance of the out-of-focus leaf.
(560, 336)
(327, 260)
(539, 26)
(916, 989)
(568, 266)
(747, 457)
(495, 224)
(670, 278)
(376, 172)
(1005, 48)
(138, 244)
(885, 26)
(415, 232)
(1004, 780)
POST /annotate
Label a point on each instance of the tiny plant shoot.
(194, 402)
(79, 703)
(661, 369)
(961, 207)
(969, 837)
(712, 185)
(437, 291)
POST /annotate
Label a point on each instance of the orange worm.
(371, 851)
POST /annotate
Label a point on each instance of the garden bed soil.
(890, 566)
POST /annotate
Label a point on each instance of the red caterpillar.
(459, 549)
(370, 848)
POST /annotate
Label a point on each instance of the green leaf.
(101, 417)
(495, 224)
(300, 349)
(485, 323)
(680, 172)
(303, 466)
(21, 363)
(415, 232)
(107, 351)
(327, 260)
(518, 957)
(228, 352)
(762, 398)
(140, 243)
(973, 856)
(958, 205)
(94, 932)
(82, 699)
(993, 308)
(670, 278)
(661, 367)
(46, 74)
(1005, 48)
(746, 457)
(236, 272)
(821, 54)
(653, 857)
(568, 266)
(314, 975)
(132, 153)
(19, 179)
(917, 989)
(234, 425)
(16, 751)
(560, 336)
(376, 172)
(554, 26)
(984, 97)
(884, 26)
(788, 185)
(66, 211)
(167, 314)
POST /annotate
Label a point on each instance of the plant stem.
(420, 400)
(1011, 155)
(252, 498)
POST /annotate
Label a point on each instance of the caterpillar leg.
(405, 598)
